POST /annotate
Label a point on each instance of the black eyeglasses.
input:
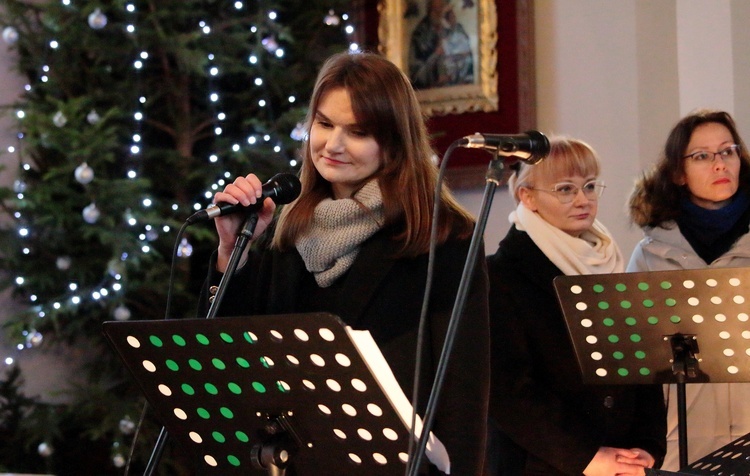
(705, 157)
(567, 191)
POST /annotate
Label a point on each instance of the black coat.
(384, 295)
(550, 422)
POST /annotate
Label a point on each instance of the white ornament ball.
(97, 19)
(10, 35)
(33, 339)
(84, 174)
(121, 313)
(63, 263)
(59, 119)
(118, 460)
(45, 449)
(19, 186)
(127, 426)
(93, 117)
(91, 213)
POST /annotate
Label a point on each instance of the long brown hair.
(385, 106)
(655, 198)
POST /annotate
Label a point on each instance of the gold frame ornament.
(394, 33)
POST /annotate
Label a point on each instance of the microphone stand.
(244, 234)
(497, 175)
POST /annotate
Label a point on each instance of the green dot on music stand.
(665, 285)
(598, 288)
(644, 371)
(603, 305)
(202, 339)
(625, 304)
(608, 321)
(219, 364)
(258, 387)
(211, 388)
(226, 338)
(172, 365)
(234, 388)
(648, 303)
(652, 320)
(155, 341)
(621, 287)
(188, 389)
(242, 436)
(631, 321)
(233, 460)
(179, 340)
(265, 363)
(671, 302)
(226, 413)
(218, 437)
(613, 338)
(618, 355)
(203, 413)
(250, 338)
(643, 286)
(622, 372)
(635, 337)
(194, 364)
(675, 319)
(243, 363)
(639, 354)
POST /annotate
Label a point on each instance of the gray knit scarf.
(339, 227)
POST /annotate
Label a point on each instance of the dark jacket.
(384, 295)
(550, 422)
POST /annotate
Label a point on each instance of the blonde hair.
(567, 157)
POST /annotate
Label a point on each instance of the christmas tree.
(134, 114)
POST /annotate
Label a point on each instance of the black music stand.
(244, 394)
(686, 326)
(732, 459)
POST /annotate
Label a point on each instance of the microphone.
(530, 147)
(282, 188)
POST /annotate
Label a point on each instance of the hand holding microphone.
(247, 195)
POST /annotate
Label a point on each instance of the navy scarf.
(712, 233)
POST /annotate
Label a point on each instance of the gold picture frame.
(478, 22)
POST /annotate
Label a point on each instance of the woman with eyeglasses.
(544, 420)
(694, 209)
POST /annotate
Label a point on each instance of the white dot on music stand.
(164, 390)
(716, 300)
(734, 282)
(720, 318)
(380, 459)
(210, 460)
(390, 434)
(374, 410)
(693, 301)
(195, 437)
(728, 352)
(134, 342)
(364, 434)
(180, 413)
(600, 372)
(148, 365)
(355, 458)
(711, 282)
(724, 335)
(343, 360)
(301, 335)
(576, 289)
(581, 306)
(688, 284)
(349, 410)
(596, 356)
(326, 334)
(359, 385)
(732, 369)
(586, 323)
(340, 434)
(739, 299)
(591, 339)
(333, 385)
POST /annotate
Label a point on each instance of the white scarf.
(339, 227)
(594, 252)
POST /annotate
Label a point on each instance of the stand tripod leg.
(682, 424)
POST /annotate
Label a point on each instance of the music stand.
(256, 393)
(685, 326)
(732, 459)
